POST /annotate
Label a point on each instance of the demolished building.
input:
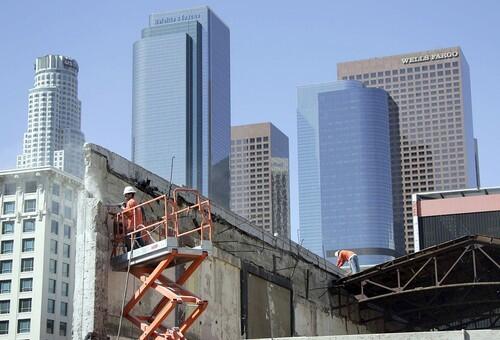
(257, 285)
(261, 286)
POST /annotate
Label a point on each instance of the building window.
(50, 326)
(7, 246)
(52, 286)
(68, 195)
(24, 305)
(28, 244)
(23, 326)
(4, 286)
(53, 247)
(65, 269)
(55, 208)
(8, 227)
(9, 189)
(5, 266)
(54, 227)
(4, 327)
(62, 328)
(29, 206)
(30, 187)
(26, 285)
(67, 231)
(66, 250)
(55, 189)
(9, 207)
(51, 306)
(28, 225)
(65, 289)
(64, 308)
(67, 212)
(5, 307)
(27, 265)
(53, 266)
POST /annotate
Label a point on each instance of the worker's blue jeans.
(354, 264)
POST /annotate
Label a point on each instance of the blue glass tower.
(181, 100)
(345, 170)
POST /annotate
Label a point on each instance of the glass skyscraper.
(430, 116)
(345, 170)
(181, 100)
(54, 135)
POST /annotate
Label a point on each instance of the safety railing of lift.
(163, 217)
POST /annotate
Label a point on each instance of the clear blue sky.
(275, 46)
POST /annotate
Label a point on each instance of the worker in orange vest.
(134, 218)
(351, 257)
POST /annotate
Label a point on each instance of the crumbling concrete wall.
(447, 335)
(240, 252)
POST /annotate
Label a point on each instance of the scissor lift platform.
(148, 263)
(152, 254)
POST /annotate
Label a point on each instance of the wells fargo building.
(430, 115)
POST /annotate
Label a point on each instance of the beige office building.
(260, 184)
(432, 141)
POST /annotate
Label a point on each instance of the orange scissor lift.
(177, 236)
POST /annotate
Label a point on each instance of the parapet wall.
(257, 285)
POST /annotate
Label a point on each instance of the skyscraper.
(37, 253)
(181, 100)
(345, 170)
(432, 140)
(260, 181)
(54, 134)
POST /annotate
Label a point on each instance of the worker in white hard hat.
(348, 256)
(134, 217)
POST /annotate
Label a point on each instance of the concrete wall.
(240, 252)
(449, 335)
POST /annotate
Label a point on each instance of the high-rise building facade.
(38, 211)
(54, 136)
(432, 141)
(260, 181)
(345, 181)
(181, 100)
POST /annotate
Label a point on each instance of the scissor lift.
(174, 242)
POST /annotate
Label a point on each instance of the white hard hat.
(337, 253)
(128, 190)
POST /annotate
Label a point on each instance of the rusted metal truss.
(445, 286)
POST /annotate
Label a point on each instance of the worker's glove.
(123, 205)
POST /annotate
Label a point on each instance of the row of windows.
(28, 226)
(23, 326)
(53, 268)
(25, 285)
(53, 287)
(26, 265)
(31, 186)
(51, 307)
(7, 246)
(62, 327)
(24, 306)
(250, 140)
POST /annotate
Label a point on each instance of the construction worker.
(134, 218)
(347, 255)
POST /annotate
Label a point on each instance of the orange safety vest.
(344, 255)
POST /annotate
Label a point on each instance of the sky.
(275, 46)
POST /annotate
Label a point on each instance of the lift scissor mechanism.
(179, 236)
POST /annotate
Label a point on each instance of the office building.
(260, 181)
(181, 100)
(443, 216)
(432, 141)
(37, 253)
(54, 136)
(345, 171)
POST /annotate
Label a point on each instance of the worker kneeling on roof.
(134, 219)
(347, 255)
